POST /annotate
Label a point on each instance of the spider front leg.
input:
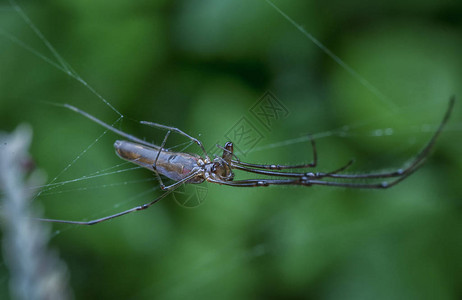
(418, 161)
(311, 175)
(284, 167)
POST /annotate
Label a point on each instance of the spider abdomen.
(173, 165)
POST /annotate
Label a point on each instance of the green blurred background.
(200, 66)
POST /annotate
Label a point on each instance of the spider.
(193, 169)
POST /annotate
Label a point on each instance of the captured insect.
(185, 168)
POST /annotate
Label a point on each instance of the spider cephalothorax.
(221, 168)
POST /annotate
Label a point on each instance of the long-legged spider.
(191, 168)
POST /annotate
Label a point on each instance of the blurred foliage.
(200, 66)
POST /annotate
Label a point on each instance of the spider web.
(274, 142)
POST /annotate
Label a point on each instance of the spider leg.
(154, 165)
(291, 174)
(267, 172)
(199, 143)
(251, 182)
(175, 185)
(306, 181)
(309, 179)
(109, 127)
(353, 185)
(416, 163)
(282, 167)
(341, 169)
(168, 189)
(96, 221)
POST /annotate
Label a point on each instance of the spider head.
(221, 166)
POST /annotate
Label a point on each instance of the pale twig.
(36, 271)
